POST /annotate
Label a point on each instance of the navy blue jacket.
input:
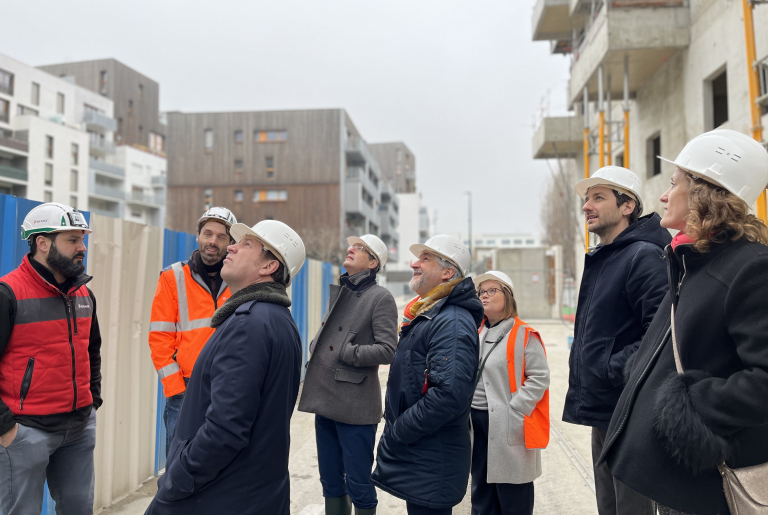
(621, 289)
(229, 453)
(424, 453)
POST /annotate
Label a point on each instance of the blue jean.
(64, 458)
(345, 460)
(170, 416)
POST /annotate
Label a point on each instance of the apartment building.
(127, 179)
(51, 130)
(311, 169)
(645, 78)
(398, 165)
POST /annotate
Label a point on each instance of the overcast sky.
(457, 81)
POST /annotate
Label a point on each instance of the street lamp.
(469, 223)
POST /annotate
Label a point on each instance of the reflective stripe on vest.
(537, 425)
(168, 370)
(181, 292)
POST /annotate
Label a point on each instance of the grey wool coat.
(509, 461)
(358, 333)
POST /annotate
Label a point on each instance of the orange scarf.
(418, 305)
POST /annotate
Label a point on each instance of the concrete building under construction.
(649, 75)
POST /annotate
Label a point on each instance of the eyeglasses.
(360, 248)
(490, 291)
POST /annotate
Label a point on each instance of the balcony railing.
(106, 168)
(159, 180)
(14, 143)
(102, 147)
(13, 173)
(146, 198)
(100, 121)
(107, 191)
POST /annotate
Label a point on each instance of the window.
(529, 242)
(269, 136)
(653, 163)
(620, 160)
(48, 196)
(5, 110)
(491, 242)
(156, 142)
(49, 147)
(60, 103)
(73, 156)
(141, 134)
(48, 174)
(269, 195)
(136, 214)
(90, 109)
(238, 137)
(141, 91)
(130, 110)
(238, 195)
(208, 140)
(22, 110)
(73, 201)
(103, 78)
(6, 82)
(34, 96)
(478, 242)
(73, 180)
(506, 242)
(762, 73)
(239, 165)
(717, 91)
(518, 242)
(119, 135)
(208, 198)
(271, 168)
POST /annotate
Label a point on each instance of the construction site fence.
(125, 260)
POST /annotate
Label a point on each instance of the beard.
(211, 260)
(65, 266)
(417, 282)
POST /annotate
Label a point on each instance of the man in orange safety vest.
(187, 295)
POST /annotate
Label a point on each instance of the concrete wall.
(529, 269)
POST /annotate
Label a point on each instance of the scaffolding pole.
(601, 119)
(626, 111)
(754, 109)
(586, 157)
(609, 147)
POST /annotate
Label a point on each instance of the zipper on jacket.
(72, 350)
(74, 313)
(680, 284)
(25, 382)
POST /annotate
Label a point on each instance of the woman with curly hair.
(672, 430)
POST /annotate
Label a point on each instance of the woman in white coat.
(510, 407)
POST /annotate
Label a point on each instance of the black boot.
(367, 511)
(338, 505)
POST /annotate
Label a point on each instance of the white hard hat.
(729, 159)
(447, 247)
(614, 177)
(494, 275)
(373, 244)
(51, 218)
(278, 238)
(220, 214)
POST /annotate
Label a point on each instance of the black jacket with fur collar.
(669, 432)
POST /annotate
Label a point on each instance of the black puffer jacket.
(670, 431)
(425, 451)
(622, 286)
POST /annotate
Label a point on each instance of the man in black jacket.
(624, 281)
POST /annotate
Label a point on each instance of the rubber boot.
(367, 511)
(338, 505)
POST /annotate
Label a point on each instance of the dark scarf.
(360, 281)
(271, 292)
(213, 282)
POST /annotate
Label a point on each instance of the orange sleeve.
(163, 335)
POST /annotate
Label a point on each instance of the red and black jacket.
(50, 361)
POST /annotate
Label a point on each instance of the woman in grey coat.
(510, 407)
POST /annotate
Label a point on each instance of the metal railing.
(147, 198)
(99, 120)
(101, 166)
(107, 191)
(14, 173)
(14, 143)
(159, 179)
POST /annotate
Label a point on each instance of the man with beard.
(623, 284)
(50, 369)
(187, 295)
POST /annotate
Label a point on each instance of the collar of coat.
(418, 305)
(271, 292)
(360, 281)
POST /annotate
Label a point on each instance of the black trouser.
(494, 498)
(417, 509)
(613, 496)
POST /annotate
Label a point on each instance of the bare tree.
(323, 244)
(560, 222)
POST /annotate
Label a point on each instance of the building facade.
(398, 165)
(308, 168)
(649, 76)
(51, 130)
(127, 173)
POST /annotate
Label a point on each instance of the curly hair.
(713, 210)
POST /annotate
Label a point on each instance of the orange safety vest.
(180, 323)
(537, 425)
